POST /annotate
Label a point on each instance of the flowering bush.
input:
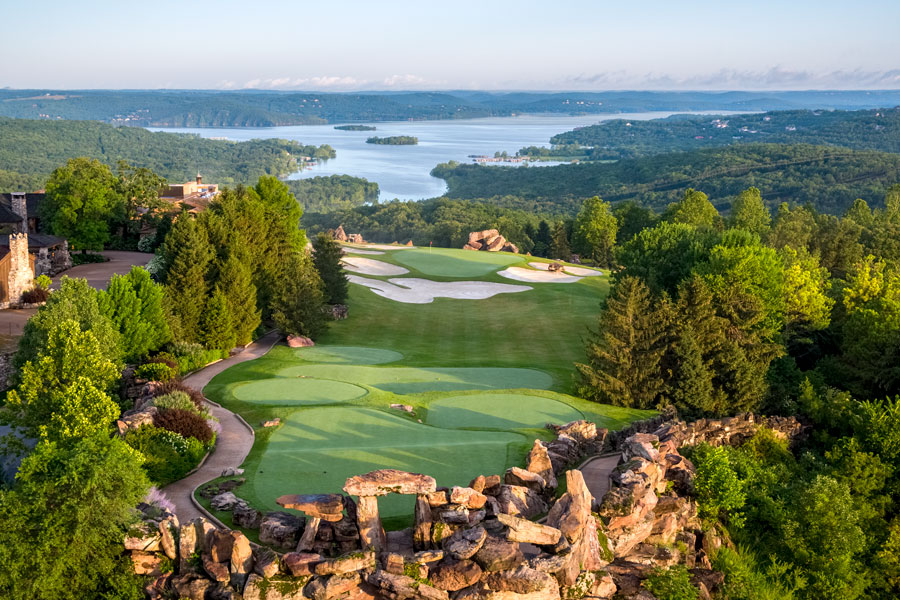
(186, 423)
(167, 455)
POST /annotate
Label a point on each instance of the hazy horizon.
(404, 45)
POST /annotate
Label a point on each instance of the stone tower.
(20, 207)
(21, 276)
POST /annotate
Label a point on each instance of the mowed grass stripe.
(499, 411)
(447, 262)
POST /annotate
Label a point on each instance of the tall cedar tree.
(134, 304)
(559, 245)
(327, 260)
(691, 388)
(595, 231)
(283, 237)
(187, 254)
(624, 354)
(217, 325)
(299, 299)
(542, 239)
(236, 284)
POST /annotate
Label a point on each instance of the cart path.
(233, 443)
(596, 472)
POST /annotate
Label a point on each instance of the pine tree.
(559, 245)
(543, 239)
(133, 302)
(327, 260)
(186, 256)
(299, 299)
(235, 282)
(218, 324)
(624, 354)
(691, 387)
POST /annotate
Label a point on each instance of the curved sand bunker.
(351, 250)
(368, 266)
(423, 291)
(387, 246)
(531, 276)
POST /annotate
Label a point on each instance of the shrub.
(673, 583)
(164, 359)
(194, 356)
(178, 400)
(156, 267)
(186, 423)
(746, 580)
(155, 372)
(42, 282)
(146, 243)
(173, 385)
(81, 258)
(719, 490)
(167, 455)
(35, 296)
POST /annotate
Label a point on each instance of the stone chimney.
(21, 277)
(20, 207)
(199, 179)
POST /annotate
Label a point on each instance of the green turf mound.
(411, 380)
(319, 448)
(445, 262)
(347, 355)
(499, 411)
(283, 391)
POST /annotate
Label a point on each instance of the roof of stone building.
(36, 241)
(8, 216)
(32, 202)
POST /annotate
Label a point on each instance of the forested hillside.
(336, 192)
(829, 178)
(30, 150)
(251, 108)
(877, 129)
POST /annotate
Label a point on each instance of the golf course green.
(481, 377)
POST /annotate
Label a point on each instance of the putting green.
(347, 355)
(283, 391)
(317, 449)
(446, 262)
(411, 380)
(499, 411)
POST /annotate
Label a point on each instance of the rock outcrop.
(489, 240)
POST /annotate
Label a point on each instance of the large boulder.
(455, 575)
(520, 501)
(328, 507)
(497, 554)
(525, 531)
(389, 481)
(464, 543)
(280, 529)
(538, 461)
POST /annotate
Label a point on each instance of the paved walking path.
(596, 473)
(234, 442)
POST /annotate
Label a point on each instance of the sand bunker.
(530, 276)
(582, 271)
(368, 266)
(387, 246)
(349, 250)
(423, 291)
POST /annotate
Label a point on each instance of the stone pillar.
(308, 539)
(21, 277)
(424, 523)
(371, 533)
(20, 207)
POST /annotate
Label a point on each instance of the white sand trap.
(368, 266)
(582, 271)
(387, 246)
(423, 291)
(350, 250)
(530, 276)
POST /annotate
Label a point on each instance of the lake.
(403, 171)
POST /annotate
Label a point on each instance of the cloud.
(332, 82)
(775, 78)
(404, 81)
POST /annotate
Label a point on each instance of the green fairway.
(347, 355)
(410, 380)
(317, 449)
(499, 411)
(483, 378)
(446, 262)
(297, 391)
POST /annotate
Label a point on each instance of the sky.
(343, 45)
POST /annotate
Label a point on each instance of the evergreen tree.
(749, 212)
(218, 325)
(133, 302)
(299, 299)
(559, 245)
(625, 352)
(543, 239)
(327, 260)
(595, 231)
(692, 391)
(186, 256)
(235, 283)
